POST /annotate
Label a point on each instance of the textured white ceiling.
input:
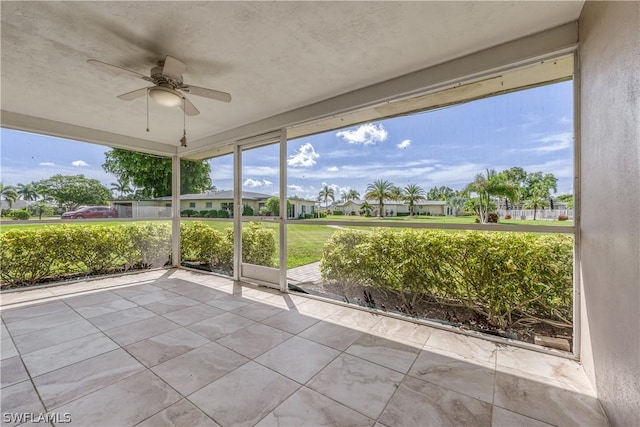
(273, 57)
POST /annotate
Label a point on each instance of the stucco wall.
(609, 54)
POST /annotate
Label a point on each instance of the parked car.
(91, 212)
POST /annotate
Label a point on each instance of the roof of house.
(224, 195)
(390, 202)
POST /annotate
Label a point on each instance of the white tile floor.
(178, 348)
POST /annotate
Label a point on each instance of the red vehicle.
(91, 212)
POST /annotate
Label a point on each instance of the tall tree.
(379, 190)
(366, 208)
(9, 194)
(352, 195)
(121, 188)
(413, 193)
(395, 194)
(325, 194)
(456, 204)
(71, 191)
(273, 205)
(28, 192)
(538, 188)
(152, 174)
(441, 193)
(491, 184)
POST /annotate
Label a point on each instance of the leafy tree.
(413, 193)
(152, 174)
(8, 193)
(325, 194)
(272, 205)
(122, 188)
(379, 190)
(441, 193)
(366, 208)
(566, 198)
(491, 184)
(352, 195)
(456, 203)
(71, 191)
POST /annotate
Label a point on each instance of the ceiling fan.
(168, 89)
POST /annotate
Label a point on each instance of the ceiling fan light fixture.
(165, 96)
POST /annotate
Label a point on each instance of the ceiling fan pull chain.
(183, 140)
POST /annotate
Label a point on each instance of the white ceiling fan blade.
(189, 108)
(173, 68)
(119, 69)
(208, 93)
(134, 94)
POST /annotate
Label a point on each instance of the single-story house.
(392, 208)
(218, 200)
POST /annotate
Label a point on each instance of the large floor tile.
(151, 297)
(12, 371)
(419, 403)
(197, 368)
(18, 400)
(358, 384)
(385, 352)
(230, 302)
(402, 331)
(257, 311)
(194, 314)
(137, 290)
(7, 349)
(105, 308)
(138, 331)
(545, 402)
(53, 336)
(309, 408)
(355, 319)
(462, 375)
(503, 418)
(290, 321)
(462, 346)
(171, 304)
(186, 287)
(180, 414)
(221, 325)
(244, 396)
(58, 356)
(35, 324)
(318, 309)
(332, 335)
(114, 405)
(298, 358)
(163, 347)
(124, 317)
(254, 340)
(64, 385)
(206, 295)
(563, 372)
(92, 298)
(32, 310)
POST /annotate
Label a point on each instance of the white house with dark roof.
(214, 200)
(392, 208)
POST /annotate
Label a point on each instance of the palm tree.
(122, 187)
(456, 203)
(352, 195)
(28, 192)
(493, 184)
(366, 208)
(325, 194)
(538, 198)
(413, 193)
(396, 194)
(8, 193)
(379, 190)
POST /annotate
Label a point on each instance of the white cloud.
(366, 134)
(47, 164)
(80, 163)
(405, 143)
(333, 169)
(305, 157)
(253, 183)
(554, 142)
(294, 187)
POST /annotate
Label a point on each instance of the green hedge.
(506, 277)
(29, 256)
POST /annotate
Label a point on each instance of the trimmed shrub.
(21, 214)
(503, 276)
(247, 210)
(222, 213)
(188, 213)
(336, 212)
(203, 214)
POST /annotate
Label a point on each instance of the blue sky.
(532, 129)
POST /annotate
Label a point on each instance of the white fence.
(543, 214)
